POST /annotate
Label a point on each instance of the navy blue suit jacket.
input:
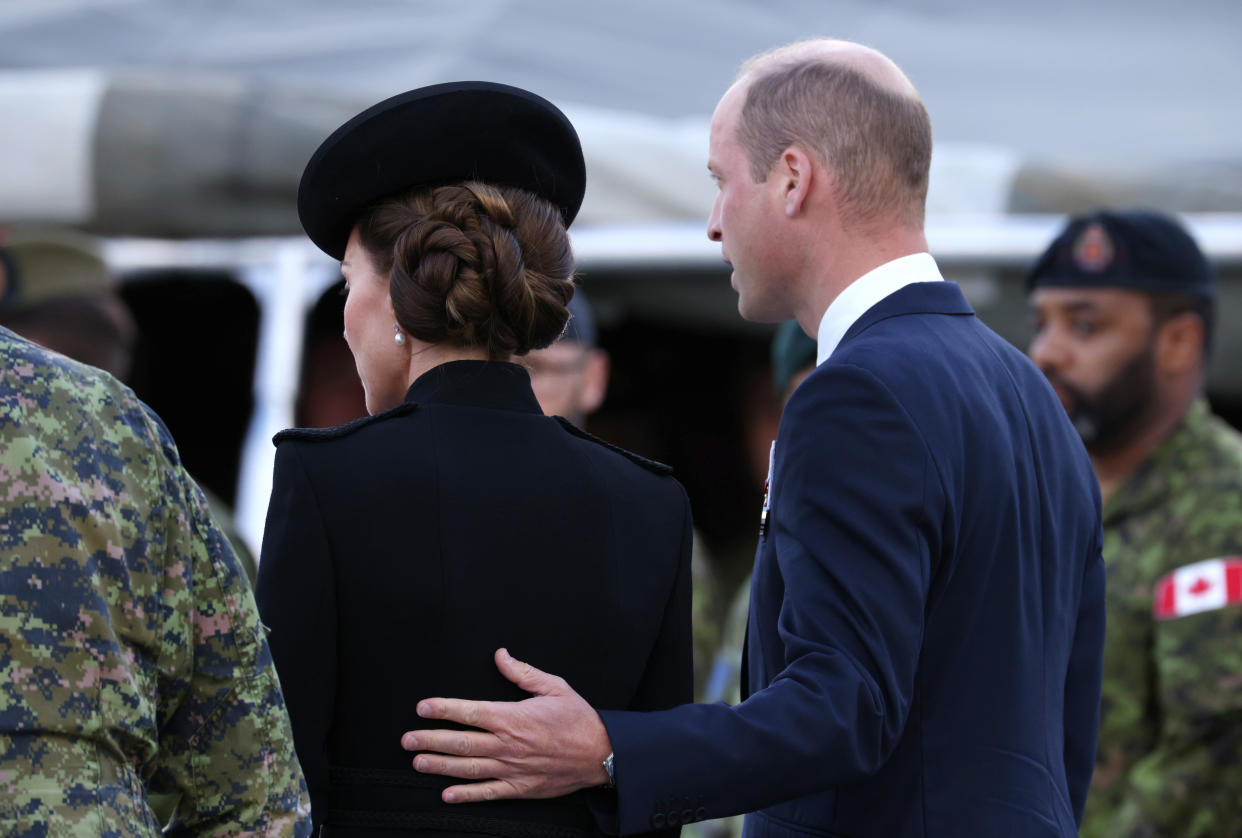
(926, 610)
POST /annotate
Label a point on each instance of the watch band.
(612, 777)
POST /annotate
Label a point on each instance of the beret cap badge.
(1093, 251)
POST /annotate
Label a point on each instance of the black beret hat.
(445, 133)
(1136, 249)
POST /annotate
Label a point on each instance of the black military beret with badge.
(1135, 249)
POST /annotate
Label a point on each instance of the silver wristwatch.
(612, 777)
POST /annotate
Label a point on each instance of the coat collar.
(917, 298)
(491, 384)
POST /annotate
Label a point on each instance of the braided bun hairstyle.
(474, 265)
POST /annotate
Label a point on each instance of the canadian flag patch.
(1202, 586)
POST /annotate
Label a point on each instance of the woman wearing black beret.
(403, 549)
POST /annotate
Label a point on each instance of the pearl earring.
(397, 335)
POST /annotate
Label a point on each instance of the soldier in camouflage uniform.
(1124, 307)
(59, 293)
(132, 661)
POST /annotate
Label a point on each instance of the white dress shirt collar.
(866, 291)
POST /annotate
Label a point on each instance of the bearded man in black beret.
(1124, 307)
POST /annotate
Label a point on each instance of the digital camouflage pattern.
(1169, 761)
(132, 660)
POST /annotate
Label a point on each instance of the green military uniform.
(1169, 761)
(132, 660)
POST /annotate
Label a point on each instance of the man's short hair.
(877, 142)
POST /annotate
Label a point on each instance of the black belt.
(384, 800)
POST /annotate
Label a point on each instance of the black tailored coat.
(403, 549)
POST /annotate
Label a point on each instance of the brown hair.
(473, 264)
(876, 141)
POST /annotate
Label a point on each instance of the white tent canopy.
(1060, 78)
(215, 156)
(143, 117)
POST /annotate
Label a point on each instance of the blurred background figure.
(1124, 309)
(330, 392)
(793, 359)
(58, 292)
(570, 377)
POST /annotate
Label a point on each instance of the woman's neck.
(428, 356)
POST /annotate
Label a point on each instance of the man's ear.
(796, 172)
(1179, 344)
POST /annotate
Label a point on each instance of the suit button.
(687, 816)
(657, 821)
(672, 818)
(700, 813)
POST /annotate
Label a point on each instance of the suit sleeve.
(296, 599)
(856, 505)
(1082, 685)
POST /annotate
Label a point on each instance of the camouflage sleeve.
(226, 747)
(1190, 784)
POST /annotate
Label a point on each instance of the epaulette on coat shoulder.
(650, 465)
(321, 434)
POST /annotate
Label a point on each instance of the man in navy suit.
(926, 621)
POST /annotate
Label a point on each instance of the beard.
(1109, 419)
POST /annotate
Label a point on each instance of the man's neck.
(1114, 468)
(868, 251)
